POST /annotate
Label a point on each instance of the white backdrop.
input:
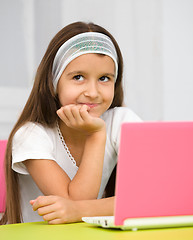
(155, 36)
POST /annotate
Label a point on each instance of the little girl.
(64, 146)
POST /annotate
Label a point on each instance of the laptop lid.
(154, 171)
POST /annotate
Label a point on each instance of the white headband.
(89, 42)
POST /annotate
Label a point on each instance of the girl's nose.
(91, 89)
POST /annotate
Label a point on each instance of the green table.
(41, 231)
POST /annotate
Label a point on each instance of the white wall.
(155, 37)
(139, 31)
(178, 59)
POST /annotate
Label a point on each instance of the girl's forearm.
(86, 183)
(96, 207)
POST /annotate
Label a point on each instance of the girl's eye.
(104, 79)
(78, 78)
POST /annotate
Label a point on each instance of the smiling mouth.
(91, 105)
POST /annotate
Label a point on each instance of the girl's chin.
(94, 114)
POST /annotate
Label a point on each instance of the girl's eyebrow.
(110, 74)
(81, 72)
(75, 72)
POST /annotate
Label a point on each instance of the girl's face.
(88, 79)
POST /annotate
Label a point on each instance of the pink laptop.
(154, 185)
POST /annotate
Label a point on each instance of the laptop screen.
(155, 170)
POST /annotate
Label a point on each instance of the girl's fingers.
(65, 115)
(56, 210)
(54, 213)
(84, 113)
(42, 201)
(32, 202)
(61, 115)
(46, 210)
(66, 111)
(78, 117)
(76, 113)
(49, 216)
(56, 221)
(71, 114)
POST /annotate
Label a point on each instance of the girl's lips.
(91, 105)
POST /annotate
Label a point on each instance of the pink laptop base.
(156, 167)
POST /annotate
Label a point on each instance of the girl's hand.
(56, 210)
(78, 117)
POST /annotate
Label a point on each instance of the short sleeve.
(31, 141)
(122, 115)
(114, 118)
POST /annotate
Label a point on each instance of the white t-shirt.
(34, 141)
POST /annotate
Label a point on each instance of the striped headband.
(88, 42)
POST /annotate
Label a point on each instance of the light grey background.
(155, 36)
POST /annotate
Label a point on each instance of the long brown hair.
(41, 108)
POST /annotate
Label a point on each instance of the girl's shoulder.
(120, 114)
(28, 126)
(33, 130)
(33, 126)
(113, 118)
